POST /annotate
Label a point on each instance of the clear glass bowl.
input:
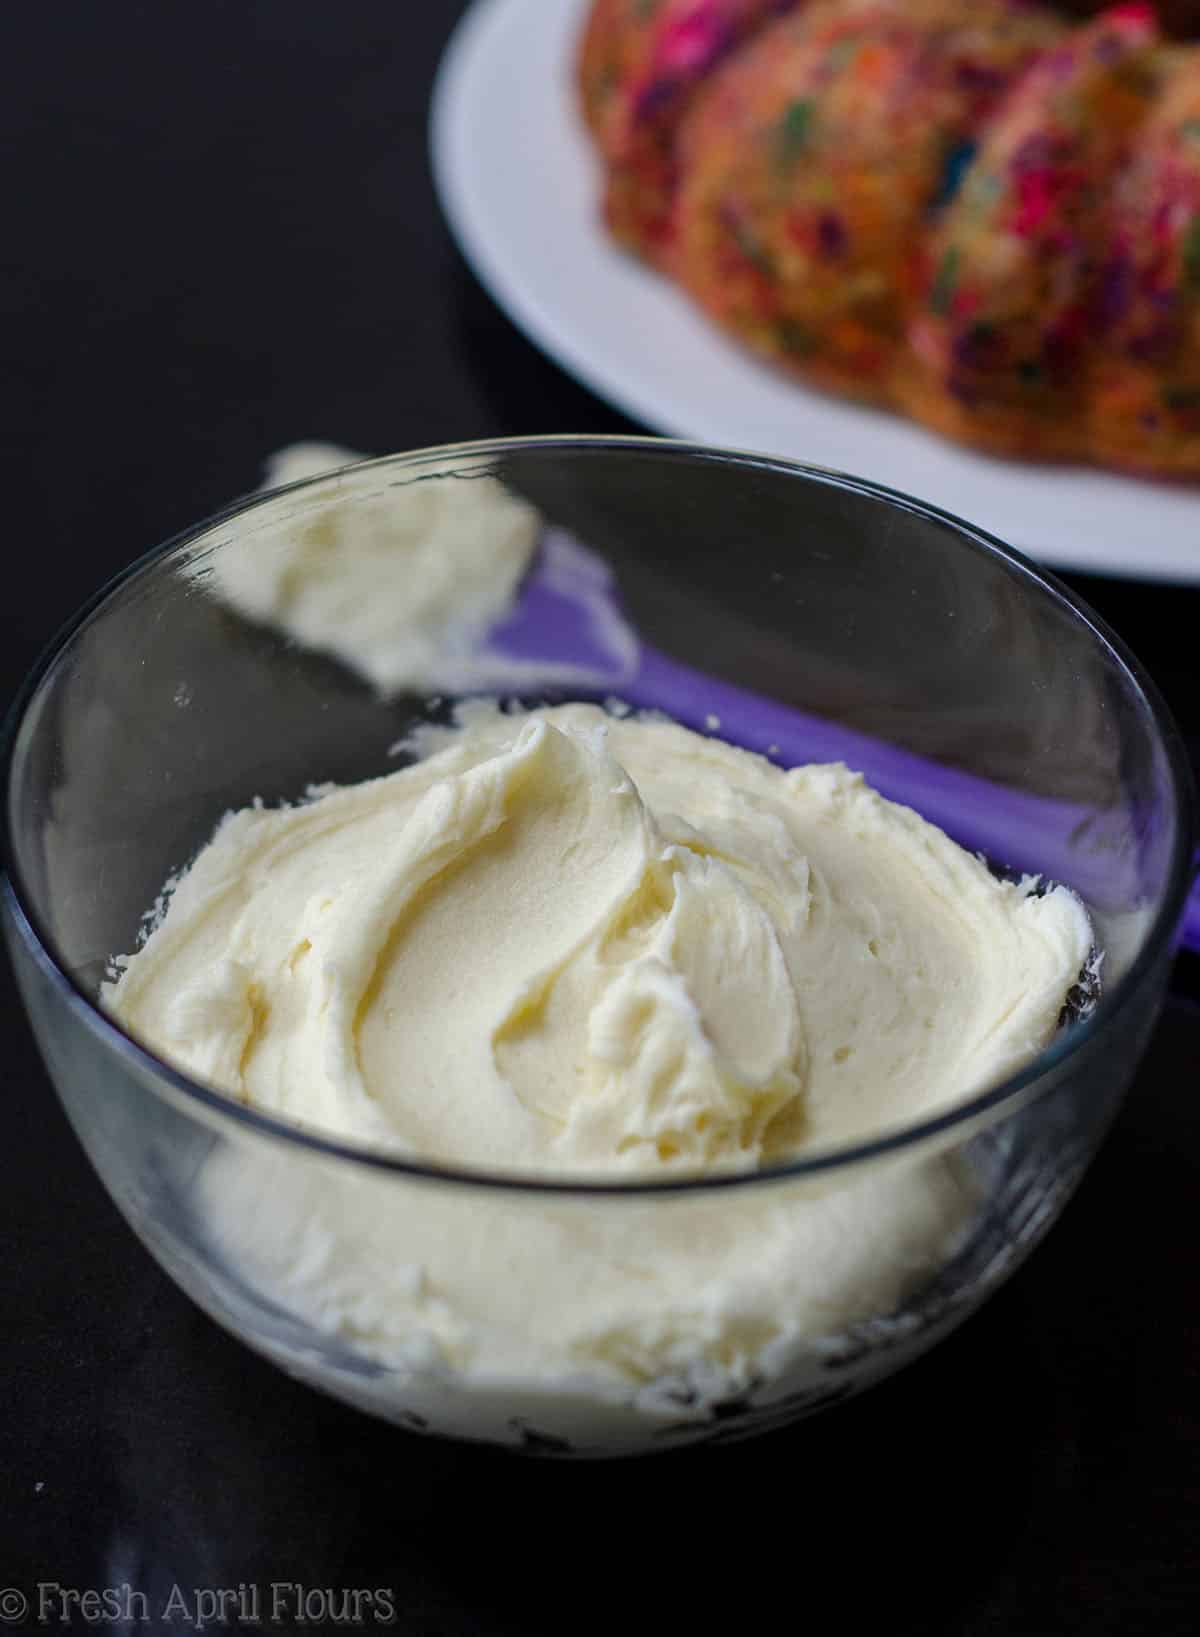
(805, 610)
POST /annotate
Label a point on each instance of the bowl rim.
(219, 1108)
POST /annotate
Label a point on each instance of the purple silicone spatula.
(566, 630)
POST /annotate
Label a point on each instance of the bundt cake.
(1000, 341)
(809, 169)
(1144, 398)
(640, 62)
(976, 211)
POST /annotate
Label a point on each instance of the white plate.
(518, 184)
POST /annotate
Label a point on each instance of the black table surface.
(220, 235)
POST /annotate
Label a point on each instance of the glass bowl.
(802, 613)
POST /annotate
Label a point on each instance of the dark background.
(220, 235)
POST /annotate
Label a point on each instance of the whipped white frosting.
(567, 942)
